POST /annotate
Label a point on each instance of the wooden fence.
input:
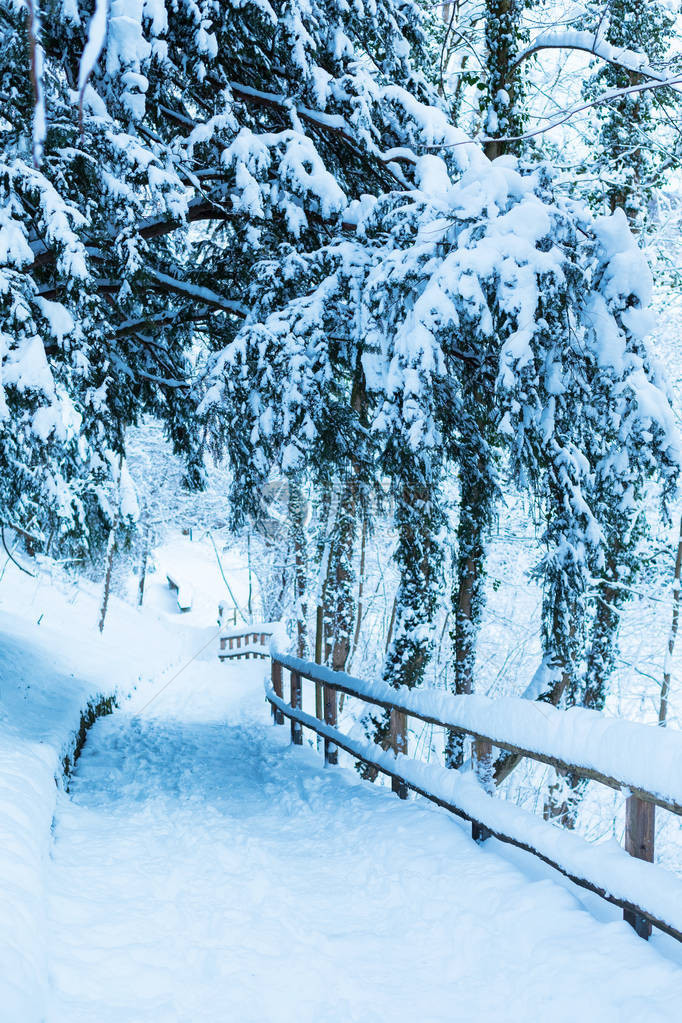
(634, 894)
(246, 642)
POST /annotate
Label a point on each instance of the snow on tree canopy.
(478, 283)
(256, 221)
(265, 121)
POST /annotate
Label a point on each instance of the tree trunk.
(419, 520)
(339, 588)
(298, 543)
(321, 622)
(358, 609)
(143, 573)
(468, 594)
(340, 578)
(361, 586)
(502, 28)
(667, 664)
(418, 557)
(111, 549)
(249, 608)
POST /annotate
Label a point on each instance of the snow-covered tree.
(114, 140)
(487, 314)
(257, 222)
(637, 143)
(78, 180)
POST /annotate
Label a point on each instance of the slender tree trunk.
(565, 793)
(467, 609)
(340, 578)
(361, 585)
(409, 644)
(111, 550)
(602, 650)
(339, 588)
(143, 573)
(391, 626)
(324, 574)
(667, 665)
(418, 557)
(248, 562)
(298, 542)
(321, 624)
(358, 612)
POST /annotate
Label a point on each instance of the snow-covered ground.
(203, 869)
(200, 868)
(53, 661)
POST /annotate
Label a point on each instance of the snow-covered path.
(204, 870)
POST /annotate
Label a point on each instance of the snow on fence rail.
(246, 641)
(642, 761)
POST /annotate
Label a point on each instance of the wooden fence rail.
(628, 884)
(248, 642)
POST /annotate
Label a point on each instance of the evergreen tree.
(114, 143)
(354, 307)
(487, 315)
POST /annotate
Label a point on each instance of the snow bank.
(40, 716)
(45, 629)
(637, 756)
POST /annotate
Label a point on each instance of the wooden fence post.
(640, 821)
(276, 676)
(482, 755)
(296, 727)
(331, 754)
(398, 741)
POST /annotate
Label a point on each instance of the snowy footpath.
(202, 869)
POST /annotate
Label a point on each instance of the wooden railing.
(648, 894)
(246, 642)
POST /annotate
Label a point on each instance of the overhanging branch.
(588, 42)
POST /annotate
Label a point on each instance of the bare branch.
(606, 97)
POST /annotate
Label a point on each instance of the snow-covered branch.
(163, 319)
(324, 122)
(674, 81)
(590, 42)
(205, 295)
